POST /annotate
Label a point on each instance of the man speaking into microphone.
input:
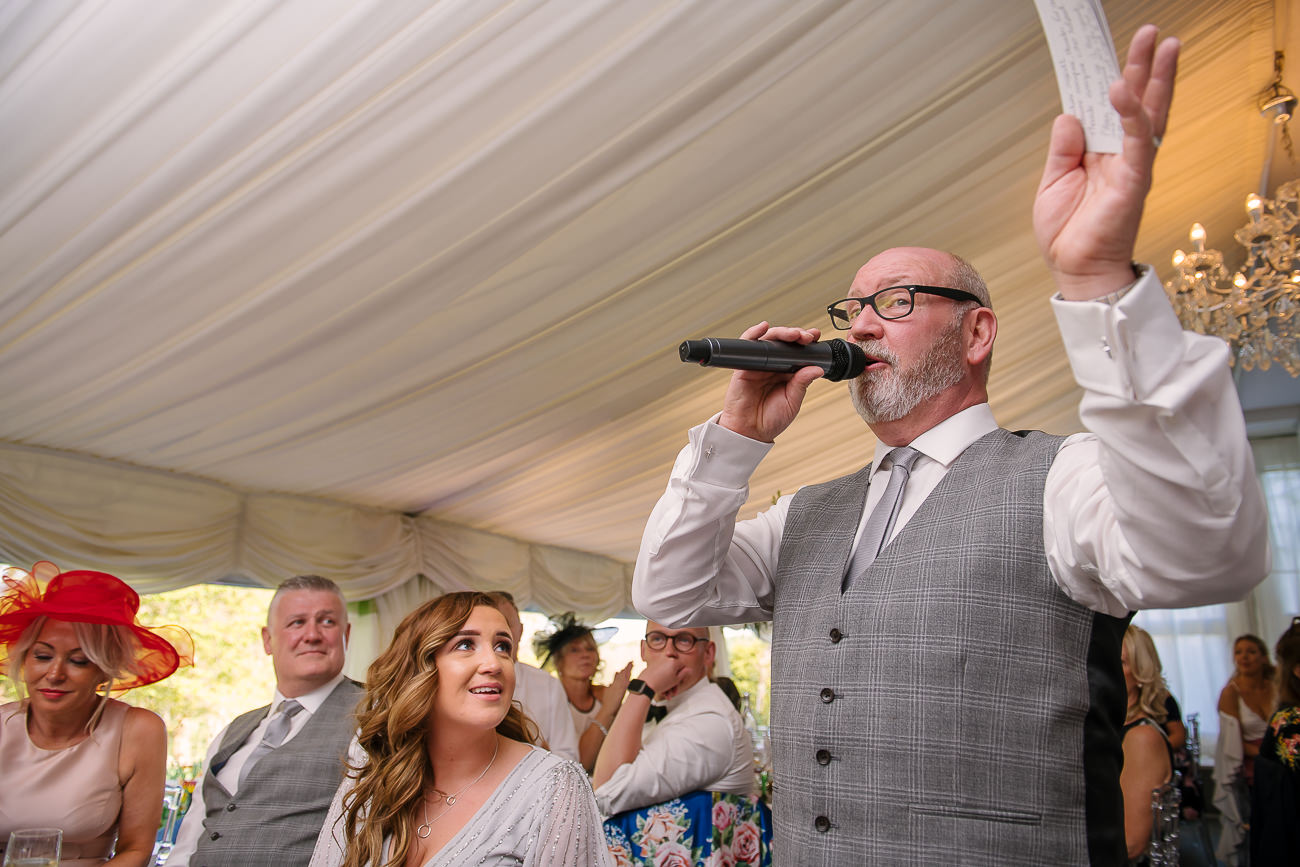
(947, 683)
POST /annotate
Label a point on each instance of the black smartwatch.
(638, 685)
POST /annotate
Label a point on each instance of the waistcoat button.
(836, 635)
(823, 757)
(230, 808)
(215, 835)
(822, 824)
(828, 695)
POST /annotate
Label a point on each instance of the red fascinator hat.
(82, 596)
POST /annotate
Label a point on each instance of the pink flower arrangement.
(721, 857)
(660, 826)
(673, 855)
(724, 814)
(622, 857)
(746, 844)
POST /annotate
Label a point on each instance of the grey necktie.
(275, 734)
(882, 518)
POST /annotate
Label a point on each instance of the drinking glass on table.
(34, 847)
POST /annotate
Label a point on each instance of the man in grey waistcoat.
(270, 774)
(946, 678)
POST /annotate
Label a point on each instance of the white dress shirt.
(701, 744)
(544, 700)
(1157, 507)
(192, 825)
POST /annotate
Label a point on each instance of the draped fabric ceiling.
(386, 288)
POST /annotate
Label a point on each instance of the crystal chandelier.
(1255, 310)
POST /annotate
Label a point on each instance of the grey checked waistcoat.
(277, 813)
(954, 706)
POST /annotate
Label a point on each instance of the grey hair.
(307, 582)
(963, 276)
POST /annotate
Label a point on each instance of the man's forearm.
(697, 566)
(624, 739)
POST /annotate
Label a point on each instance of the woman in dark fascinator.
(570, 650)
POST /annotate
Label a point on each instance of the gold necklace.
(423, 831)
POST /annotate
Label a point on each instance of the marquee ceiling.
(437, 256)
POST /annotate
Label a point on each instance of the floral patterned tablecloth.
(702, 829)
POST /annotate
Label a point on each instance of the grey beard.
(888, 395)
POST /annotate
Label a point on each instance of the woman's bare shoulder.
(144, 726)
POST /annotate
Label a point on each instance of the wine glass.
(34, 847)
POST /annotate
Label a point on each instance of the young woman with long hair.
(1250, 696)
(445, 771)
(1148, 757)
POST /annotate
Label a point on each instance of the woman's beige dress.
(75, 788)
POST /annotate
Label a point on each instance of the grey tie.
(275, 734)
(883, 517)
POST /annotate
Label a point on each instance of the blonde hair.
(111, 647)
(1144, 663)
(393, 720)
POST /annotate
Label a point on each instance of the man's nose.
(867, 325)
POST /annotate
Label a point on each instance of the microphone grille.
(847, 360)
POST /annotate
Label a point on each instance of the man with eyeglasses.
(947, 621)
(699, 744)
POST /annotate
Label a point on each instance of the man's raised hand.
(1089, 205)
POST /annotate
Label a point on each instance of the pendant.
(451, 800)
(423, 831)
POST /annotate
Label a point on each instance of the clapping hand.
(1089, 205)
(618, 686)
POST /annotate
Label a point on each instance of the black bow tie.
(657, 712)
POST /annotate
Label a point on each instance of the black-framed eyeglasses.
(893, 302)
(683, 642)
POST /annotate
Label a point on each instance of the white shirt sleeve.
(1159, 506)
(187, 838)
(696, 563)
(544, 700)
(681, 757)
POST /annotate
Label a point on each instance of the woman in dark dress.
(1275, 812)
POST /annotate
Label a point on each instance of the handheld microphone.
(840, 360)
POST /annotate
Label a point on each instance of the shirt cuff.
(722, 457)
(1122, 345)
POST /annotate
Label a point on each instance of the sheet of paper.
(1084, 56)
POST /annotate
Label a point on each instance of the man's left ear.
(981, 327)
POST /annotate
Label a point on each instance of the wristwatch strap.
(638, 685)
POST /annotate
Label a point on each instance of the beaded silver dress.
(542, 815)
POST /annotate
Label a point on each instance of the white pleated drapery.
(161, 531)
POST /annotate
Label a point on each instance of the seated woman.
(571, 650)
(71, 757)
(1249, 697)
(1148, 758)
(1274, 831)
(444, 771)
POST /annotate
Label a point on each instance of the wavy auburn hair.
(393, 719)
